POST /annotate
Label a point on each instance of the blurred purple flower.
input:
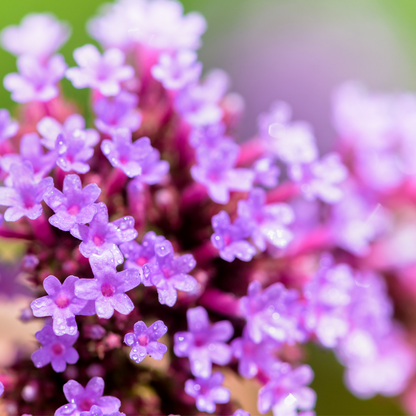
(35, 81)
(204, 344)
(75, 205)
(56, 350)
(168, 273)
(108, 287)
(1, 389)
(153, 169)
(103, 73)
(81, 400)
(25, 195)
(266, 172)
(8, 127)
(208, 392)
(229, 238)
(144, 341)
(62, 304)
(101, 236)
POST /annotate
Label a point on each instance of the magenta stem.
(218, 301)
(116, 182)
(283, 192)
(250, 151)
(43, 230)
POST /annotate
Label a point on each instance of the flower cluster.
(159, 230)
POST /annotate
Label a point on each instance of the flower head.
(82, 399)
(108, 287)
(56, 350)
(101, 236)
(62, 304)
(24, 195)
(103, 73)
(144, 341)
(208, 392)
(204, 344)
(168, 273)
(74, 205)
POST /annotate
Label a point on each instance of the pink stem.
(43, 230)
(224, 303)
(250, 151)
(137, 196)
(15, 234)
(318, 239)
(205, 252)
(116, 182)
(192, 196)
(283, 192)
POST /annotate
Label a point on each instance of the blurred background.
(291, 50)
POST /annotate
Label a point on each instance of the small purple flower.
(153, 169)
(199, 103)
(39, 35)
(1, 389)
(266, 173)
(97, 411)
(252, 357)
(208, 136)
(103, 73)
(50, 129)
(101, 236)
(116, 112)
(279, 113)
(108, 287)
(75, 149)
(269, 220)
(144, 341)
(137, 255)
(272, 313)
(204, 344)
(56, 350)
(177, 71)
(81, 400)
(124, 154)
(229, 238)
(207, 392)
(168, 273)
(25, 195)
(31, 150)
(320, 178)
(241, 412)
(8, 127)
(215, 170)
(286, 392)
(35, 81)
(62, 304)
(75, 205)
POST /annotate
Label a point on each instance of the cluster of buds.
(157, 228)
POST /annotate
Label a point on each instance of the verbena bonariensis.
(156, 236)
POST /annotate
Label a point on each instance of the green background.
(333, 398)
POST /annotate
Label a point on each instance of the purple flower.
(101, 236)
(153, 169)
(178, 71)
(286, 392)
(24, 196)
(39, 35)
(50, 129)
(279, 113)
(208, 391)
(229, 238)
(116, 112)
(168, 273)
(36, 81)
(1, 389)
(204, 344)
(266, 172)
(253, 357)
(8, 127)
(124, 154)
(273, 313)
(208, 136)
(320, 178)
(215, 170)
(56, 350)
(103, 73)
(199, 103)
(81, 400)
(75, 149)
(241, 412)
(62, 304)
(137, 255)
(31, 150)
(158, 24)
(144, 341)
(97, 411)
(293, 143)
(269, 220)
(75, 205)
(108, 287)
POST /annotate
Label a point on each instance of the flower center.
(98, 241)
(73, 210)
(62, 302)
(107, 290)
(57, 349)
(143, 340)
(86, 404)
(141, 261)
